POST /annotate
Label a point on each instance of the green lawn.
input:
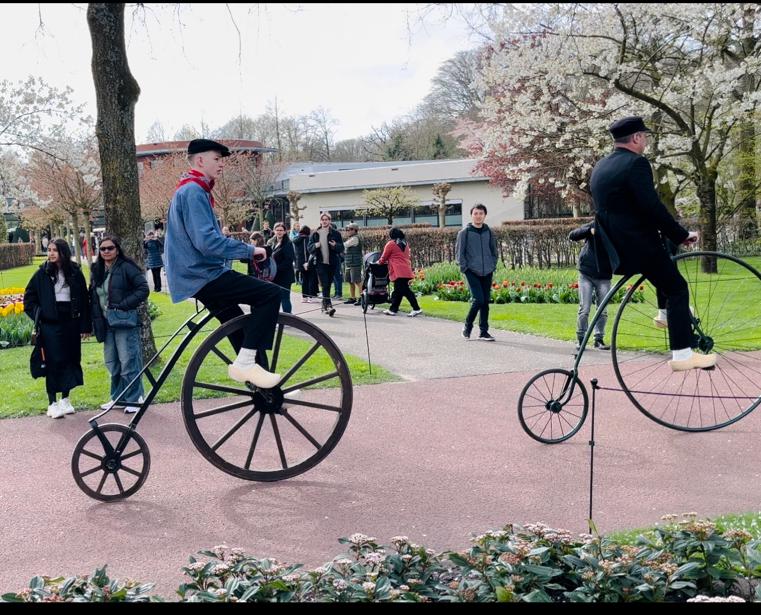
(24, 396)
(750, 522)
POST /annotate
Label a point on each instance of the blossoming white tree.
(557, 75)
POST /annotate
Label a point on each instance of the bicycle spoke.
(258, 430)
(91, 471)
(302, 430)
(118, 482)
(227, 408)
(221, 355)
(93, 455)
(219, 387)
(102, 482)
(300, 402)
(279, 441)
(316, 380)
(130, 470)
(234, 428)
(299, 363)
(276, 350)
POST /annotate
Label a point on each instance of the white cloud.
(359, 61)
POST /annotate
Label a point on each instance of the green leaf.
(503, 594)
(537, 595)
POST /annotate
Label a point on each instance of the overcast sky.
(365, 63)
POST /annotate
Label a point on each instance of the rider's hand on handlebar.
(691, 238)
(260, 254)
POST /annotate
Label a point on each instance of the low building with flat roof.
(338, 188)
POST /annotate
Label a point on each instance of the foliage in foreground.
(685, 561)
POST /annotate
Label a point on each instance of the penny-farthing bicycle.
(254, 434)
(725, 301)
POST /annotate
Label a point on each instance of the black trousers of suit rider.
(673, 292)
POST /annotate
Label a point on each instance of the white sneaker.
(66, 406)
(414, 313)
(131, 409)
(389, 312)
(107, 405)
(55, 411)
(255, 374)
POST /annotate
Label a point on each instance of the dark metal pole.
(592, 455)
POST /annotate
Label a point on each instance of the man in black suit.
(632, 223)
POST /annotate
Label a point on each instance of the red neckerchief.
(197, 178)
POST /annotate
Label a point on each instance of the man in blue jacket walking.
(196, 254)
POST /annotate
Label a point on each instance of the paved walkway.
(431, 458)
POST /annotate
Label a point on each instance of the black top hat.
(627, 126)
(196, 146)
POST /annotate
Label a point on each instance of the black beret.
(196, 146)
(627, 126)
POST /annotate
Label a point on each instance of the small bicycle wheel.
(725, 301)
(548, 411)
(268, 434)
(110, 462)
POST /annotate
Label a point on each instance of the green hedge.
(532, 243)
(15, 255)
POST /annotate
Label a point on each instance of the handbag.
(37, 362)
(121, 319)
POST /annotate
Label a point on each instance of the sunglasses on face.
(107, 248)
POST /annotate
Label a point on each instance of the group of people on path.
(627, 237)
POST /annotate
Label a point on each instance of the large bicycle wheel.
(548, 410)
(268, 434)
(725, 300)
(110, 462)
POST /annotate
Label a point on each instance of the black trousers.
(480, 291)
(309, 282)
(232, 288)
(402, 289)
(326, 274)
(156, 272)
(63, 352)
(672, 290)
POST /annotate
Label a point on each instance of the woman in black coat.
(307, 269)
(118, 283)
(59, 292)
(283, 254)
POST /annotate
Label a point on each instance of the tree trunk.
(116, 93)
(442, 213)
(707, 219)
(88, 238)
(748, 223)
(76, 245)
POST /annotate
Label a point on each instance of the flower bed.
(685, 561)
(15, 326)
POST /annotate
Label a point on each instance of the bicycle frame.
(194, 328)
(568, 391)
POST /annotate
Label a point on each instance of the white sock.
(681, 355)
(662, 315)
(246, 356)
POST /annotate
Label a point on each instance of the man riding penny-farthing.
(274, 422)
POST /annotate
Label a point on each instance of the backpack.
(265, 269)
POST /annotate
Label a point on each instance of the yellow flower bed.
(11, 301)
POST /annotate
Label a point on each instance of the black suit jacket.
(630, 217)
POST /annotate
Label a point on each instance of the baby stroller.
(374, 282)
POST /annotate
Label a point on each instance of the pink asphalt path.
(436, 460)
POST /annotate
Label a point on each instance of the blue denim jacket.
(195, 250)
